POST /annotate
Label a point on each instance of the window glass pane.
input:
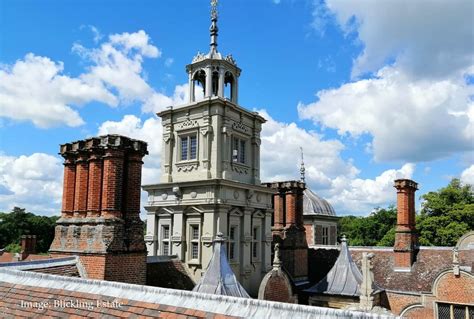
(459, 312)
(166, 248)
(242, 152)
(194, 250)
(194, 232)
(232, 232)
(231, 251)
(444, 311)
(184, 148)
(193, 142)
(235, 144)
(166, 232)
(471, 312)
(254, 250)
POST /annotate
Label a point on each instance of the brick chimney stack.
(28, 246)
(100, 219)
(406, 241)
(288, 229)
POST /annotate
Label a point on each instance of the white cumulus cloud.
(467, 176)
(424, 38)
(417, 105)
(32, 181)
(35, 89)
(358, 195)
(408, 120)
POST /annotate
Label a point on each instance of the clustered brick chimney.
(28, 246)
(100, 219)
(288, 229)
(406, 240)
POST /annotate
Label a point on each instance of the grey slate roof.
(219, 279)
(344, 278)
(315, 205)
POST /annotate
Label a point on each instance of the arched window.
(199, 82)
(229, 86)
(215, 82)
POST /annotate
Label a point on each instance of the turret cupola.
(214, 74)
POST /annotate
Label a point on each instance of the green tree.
(370, 230)
(19, 222)
(446, 214)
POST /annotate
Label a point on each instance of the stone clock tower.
(210, 175)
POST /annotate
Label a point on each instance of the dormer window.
(188, 147)
(238, 150)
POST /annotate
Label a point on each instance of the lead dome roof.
(315, 205)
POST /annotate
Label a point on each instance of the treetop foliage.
(446, 215)
(19, 222)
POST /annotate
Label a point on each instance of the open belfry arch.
(210, 175)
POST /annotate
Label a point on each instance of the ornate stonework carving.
(240, 127)
(199, 57)
(186, 167)
(205, 130)
(240, 169)
(188, 123)
(177, 239)
(236, 195)
(193, 194)
(164, 196)
(230, 58)
(167, 137)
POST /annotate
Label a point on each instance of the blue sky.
(373, 92)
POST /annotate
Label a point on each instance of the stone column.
(151, 235)
(221, 82)
(208, 81)
(191, 88)
(246, 249)
(69, 183)
(112, 183)
(178, 234)
(268, 240)
(81, 189)
(95, 184)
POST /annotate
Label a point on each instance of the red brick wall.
(318, 234)
(69, 185)
(277, 289)
(309, 234)
(81, 188)
(94, 197)
(291, 208)
(405, 235)
(454, 289)
(133, 185)
(112, 183)
(279, 210)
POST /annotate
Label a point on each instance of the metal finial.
(213, 29)
(302, 169)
